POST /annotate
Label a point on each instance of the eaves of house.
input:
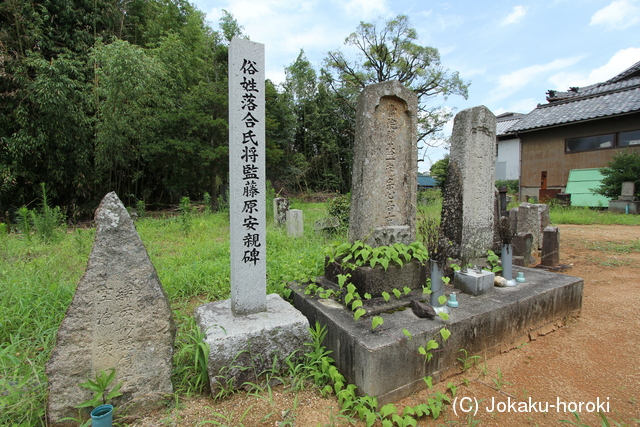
(615, 97)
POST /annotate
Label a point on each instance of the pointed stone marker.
(119, 318)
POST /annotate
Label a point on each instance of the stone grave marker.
(295, 223)
(280, 208)
(627, 201)
(550, 247)
(522, 247)
(251, 330)
(385, 166)
(119, 318)
(468, 199)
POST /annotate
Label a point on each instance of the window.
(629, 138)
(599, 142)
(590, 143)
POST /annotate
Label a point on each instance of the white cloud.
(515, 16)
(618, 15)
(514, 81)
(619, 62)
(365, 9)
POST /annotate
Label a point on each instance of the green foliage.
(340, 207)
(360, 254)
(48, 221)
(439, 170)
(100, 388)
(513, 185)
(191, 357)
(141, 209)
(186, 214)
(494, 262)
(624, 166)
(391, 53)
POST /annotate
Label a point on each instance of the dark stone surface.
(422, 309)
(386, 364)
(377, 280)
(522, 247)
(550, 247)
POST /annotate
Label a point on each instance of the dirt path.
(593, 359)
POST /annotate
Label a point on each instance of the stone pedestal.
(474, 283)
(242, 347)
(624, 206)
(376, 280)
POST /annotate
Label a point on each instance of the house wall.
(543, 150)
(508, 159)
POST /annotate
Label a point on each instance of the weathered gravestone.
(533, 218)
(295, 223)
(468, 199)
(280, 208)
(550, 247)
(119, 318)
(385, 166)
(384, 186)
(253, 331)
(522, 247)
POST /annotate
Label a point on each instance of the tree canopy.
(106, 95)
(392, 53)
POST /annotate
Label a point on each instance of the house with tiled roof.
(581, 128)
(508, 147)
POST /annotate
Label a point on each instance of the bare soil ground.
(593, 359)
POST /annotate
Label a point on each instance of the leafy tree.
(391, 53)
(439, 171)
(623, 167)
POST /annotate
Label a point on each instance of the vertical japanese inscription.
(247, 176)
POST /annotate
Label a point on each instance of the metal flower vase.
(507, 265)
(437, 288)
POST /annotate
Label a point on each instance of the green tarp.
(579, 185)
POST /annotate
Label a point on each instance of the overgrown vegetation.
(39, 278)
(624, 166)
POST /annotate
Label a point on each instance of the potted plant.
(102, 414)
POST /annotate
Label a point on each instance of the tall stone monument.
(468, 199)
(385, 166)
(246, 333)
(119, 318)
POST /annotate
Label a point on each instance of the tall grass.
(38, 279)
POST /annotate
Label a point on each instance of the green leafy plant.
(360, 254)
(141, 208)
(340, 207)
(47, 222)
(494, 262)
(100, 388)
(186, 214)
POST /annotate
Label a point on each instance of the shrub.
(513, 185)
(624, 166)
(340, 207)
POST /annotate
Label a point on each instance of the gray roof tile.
(619, 95)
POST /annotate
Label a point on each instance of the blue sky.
(510, 52)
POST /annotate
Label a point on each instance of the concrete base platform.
(384, 363)
(624, 206)
(242, 347)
